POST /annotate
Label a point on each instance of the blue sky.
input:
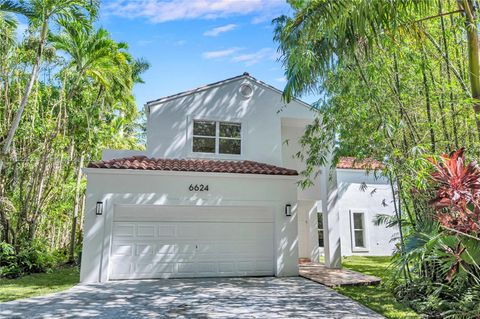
(194, 42)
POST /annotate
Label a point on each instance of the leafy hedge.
(26, 259)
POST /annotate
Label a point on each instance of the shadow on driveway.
(264, 297)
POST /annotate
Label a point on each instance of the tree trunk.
(26, 94)
(75, 210)
(449, 78)
(427, 101)
(473, 56)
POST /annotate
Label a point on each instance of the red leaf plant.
(457, 200)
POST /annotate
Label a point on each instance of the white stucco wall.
(369, 201)
(112, 154)
(307, 234)
(113, 187)
(169, 123)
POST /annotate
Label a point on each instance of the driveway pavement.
(267, 297)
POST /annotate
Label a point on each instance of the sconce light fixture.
(288, 210)
(99, 208)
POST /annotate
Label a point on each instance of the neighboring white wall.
(352, 197)
(169, 123)
(171, 188)
(112, 154)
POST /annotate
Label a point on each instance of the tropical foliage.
(65, 94)
(399, 82)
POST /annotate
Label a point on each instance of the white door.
(191, 241)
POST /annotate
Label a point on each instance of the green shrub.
(28, 258)
(8, 261)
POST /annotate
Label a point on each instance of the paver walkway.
(336, 277)
(266, 297)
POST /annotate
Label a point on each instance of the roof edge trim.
(219, 83)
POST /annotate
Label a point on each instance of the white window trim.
(216, 155)
(365, 231)
(323, 230)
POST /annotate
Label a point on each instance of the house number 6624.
(198, 188)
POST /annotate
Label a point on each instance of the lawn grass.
(38, 284)
(377, 298)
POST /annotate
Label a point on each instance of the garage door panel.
(186, 248)
(248, 266)
(226, 267)
(144, 249)
(186, 267)
(121, 268)
(167, 231)
(191, 248)
(122, 249)
(147, 269)
(265, 265)
(147, 231)
(207, 267)
(166, 248)
(187, 230)
(124, 230)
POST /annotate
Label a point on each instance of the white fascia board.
(192, 91)
(111, 171)
(353, 169)
(360, 170)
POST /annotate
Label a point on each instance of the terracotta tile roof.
(193, 165)
(354, 163)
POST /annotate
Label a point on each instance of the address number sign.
(198, 188)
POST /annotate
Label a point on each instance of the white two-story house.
(215, 193)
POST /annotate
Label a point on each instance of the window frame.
(217, 137)
(353, 229)
(214, 137)
(321, 230)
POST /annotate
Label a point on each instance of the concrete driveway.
(192, 298)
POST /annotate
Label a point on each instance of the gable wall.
(169, 123)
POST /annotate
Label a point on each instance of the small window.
(321, 240)
(217, 137)
(204, 136)
(359, 230)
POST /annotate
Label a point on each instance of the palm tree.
(93, 56)
(95, 61)
(323, 31)
(8, 7)
(41, 14)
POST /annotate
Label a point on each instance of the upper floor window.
(217, 137)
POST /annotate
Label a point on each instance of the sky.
(189, 43)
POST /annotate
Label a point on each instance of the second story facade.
(239, 118)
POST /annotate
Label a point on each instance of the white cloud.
(281, 79)
(219, 53)
(180, 43)
(158, 11)
(255, 57)
(216, 31)
(144, 42)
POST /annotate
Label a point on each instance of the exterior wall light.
(288, 210)
(99, 208)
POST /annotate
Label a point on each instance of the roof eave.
(113, 171)
(219, 83)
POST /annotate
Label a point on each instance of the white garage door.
(194, 241)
